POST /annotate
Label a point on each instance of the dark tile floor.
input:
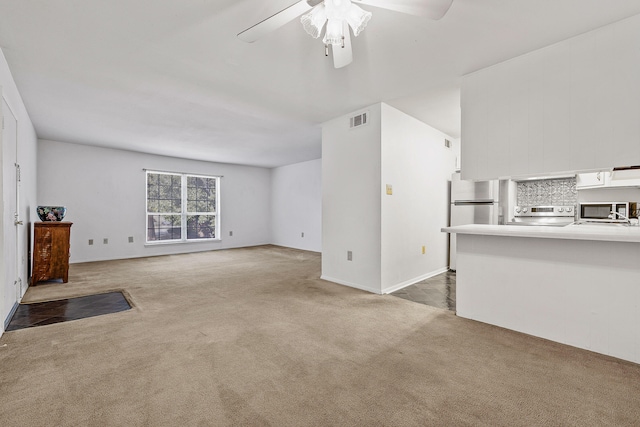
(46, 313)
(438, 291)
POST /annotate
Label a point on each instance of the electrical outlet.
(105, 241)
(424, 250)
(389, 190)
(349, 256)
(231, 234)
(302, 234)
(130, 239)
(90, 242)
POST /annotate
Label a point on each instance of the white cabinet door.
(536, 102)
(591, 180)
(498, 105)
(473, 141)
(556, 142)
(584, 113)
(519, 130)
(625, 138)
(624, 178)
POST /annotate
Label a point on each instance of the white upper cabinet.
(610, 179)
(592, 180)
(571, 106)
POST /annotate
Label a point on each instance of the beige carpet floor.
(253, 337)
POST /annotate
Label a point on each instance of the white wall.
(296, 206)
(26, 156)
(417, 164)
(385, 232)
(351, 201)
(104, 192)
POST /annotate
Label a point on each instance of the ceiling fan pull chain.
(326, 50)
(343, 41)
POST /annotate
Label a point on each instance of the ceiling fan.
(337, 17)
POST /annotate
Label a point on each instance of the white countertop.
(597, 232)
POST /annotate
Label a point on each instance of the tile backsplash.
(547, 192)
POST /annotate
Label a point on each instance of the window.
(181, 207)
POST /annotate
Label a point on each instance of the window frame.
(184, 213)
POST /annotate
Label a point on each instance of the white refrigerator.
(472, 202)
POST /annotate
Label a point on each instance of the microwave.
(607, 211)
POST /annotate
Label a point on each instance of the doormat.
(50, 312)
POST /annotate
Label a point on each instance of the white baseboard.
(414, 280)
(351, 285)
(8, 318)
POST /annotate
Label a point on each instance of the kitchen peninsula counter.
(578, 285)
(596, 232)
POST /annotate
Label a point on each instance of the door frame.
(15, 259)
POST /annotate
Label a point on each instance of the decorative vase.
(51, 213)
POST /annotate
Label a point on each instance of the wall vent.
(447, 143)
(359, 120)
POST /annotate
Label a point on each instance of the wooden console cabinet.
(51, 251)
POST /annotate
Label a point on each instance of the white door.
(12, 283)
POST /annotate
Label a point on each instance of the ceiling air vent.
(359, 120)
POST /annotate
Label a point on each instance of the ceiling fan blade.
(343, 56)
(276, 21)
(432, 9)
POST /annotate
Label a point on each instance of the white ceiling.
(170, 77)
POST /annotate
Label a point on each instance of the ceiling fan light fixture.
(313, 22)
(357, 19)
(338, 18)
(335, 15)
(334, 34)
